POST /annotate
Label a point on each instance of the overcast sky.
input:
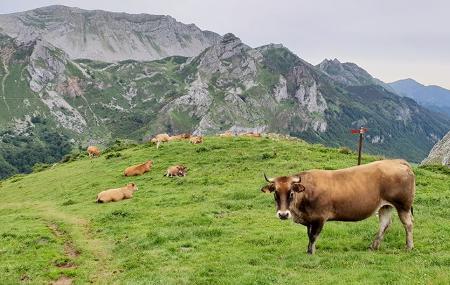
(391, 39)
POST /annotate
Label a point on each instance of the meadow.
(213, 226)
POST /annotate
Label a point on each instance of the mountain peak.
(108, 36)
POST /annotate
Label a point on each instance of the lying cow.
(138, 169)
(93, 151)
(353, 194)
(176, 170)
(251, 134)
(196, 140)
(227, 134)
(118, 194)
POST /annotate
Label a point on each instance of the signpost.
(361, 132)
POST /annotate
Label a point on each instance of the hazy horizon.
(392, 41)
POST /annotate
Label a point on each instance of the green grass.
(212, 227)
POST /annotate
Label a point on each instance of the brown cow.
(93, 151)
(118, 194)
(196, 139)
(353, 194)
(160, 138)
(176, 170)
(252, 134)
(175, 138)
(227, 134)
(138, 169)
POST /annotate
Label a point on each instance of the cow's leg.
(384, 215)
(314, 230)
(407, 220)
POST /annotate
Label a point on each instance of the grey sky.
(392, 39)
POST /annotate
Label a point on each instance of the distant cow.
(93, 151)
(118, 194)
(138, 169)
(160, 138)
(353, 194)
(251, 134)
(196, 140)
(175, 138)
(176, 170)
(226, 134)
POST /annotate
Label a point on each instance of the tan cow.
(160, 138)
(196, 139)
(176, 170)
(138, 169)
(251, 134)
(93, 151)
(118, 194)
(353, 194)
(175, 138)
(227, 134)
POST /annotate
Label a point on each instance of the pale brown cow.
(117, 194)
(227, 134)
(353, 194)
(251, 134)
(138, 169)
(196, 139)
(93, 151)
(160, 138)
(176, 170)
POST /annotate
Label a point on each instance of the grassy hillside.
(212, 227)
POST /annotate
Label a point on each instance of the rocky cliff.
(440, 153)
(107, 36)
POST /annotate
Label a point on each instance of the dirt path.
(79, 241)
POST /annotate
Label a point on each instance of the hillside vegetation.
(212, 227)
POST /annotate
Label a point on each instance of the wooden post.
(360, 146)
(361, 132)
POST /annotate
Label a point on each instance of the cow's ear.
(268, 188)
(297, 187)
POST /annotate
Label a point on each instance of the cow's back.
(355, 193)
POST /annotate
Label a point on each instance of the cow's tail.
(412, 211)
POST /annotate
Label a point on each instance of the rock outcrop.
(440, 153)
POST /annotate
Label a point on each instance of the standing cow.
(353, 194)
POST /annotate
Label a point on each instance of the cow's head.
(132, 186)
(283, 189)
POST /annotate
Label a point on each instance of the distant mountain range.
(433, 97)
(52, 98)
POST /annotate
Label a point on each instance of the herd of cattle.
(126, 192)
(314, 197)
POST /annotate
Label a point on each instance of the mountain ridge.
(107, 36)
(227, 86)
(433, 97)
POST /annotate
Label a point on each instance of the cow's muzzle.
(284, 215)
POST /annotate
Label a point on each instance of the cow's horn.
(296, 179)
(268, 179)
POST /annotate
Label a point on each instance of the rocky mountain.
(107, 36)
(440, 153)
(52, 102)
(433, 97)
(350, 74)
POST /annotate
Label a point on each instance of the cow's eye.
(291, 195)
